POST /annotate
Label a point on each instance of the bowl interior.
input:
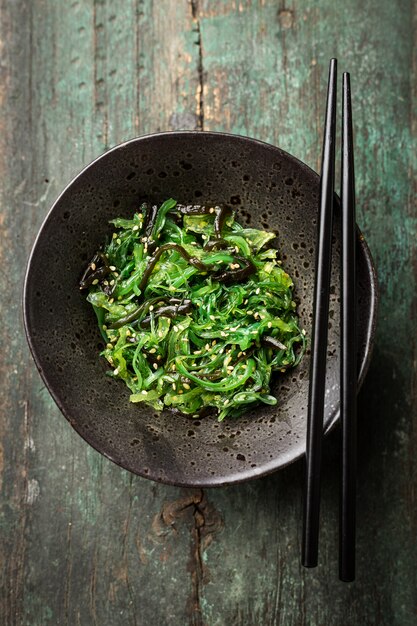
(269, 189)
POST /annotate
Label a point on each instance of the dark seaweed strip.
(168, 311)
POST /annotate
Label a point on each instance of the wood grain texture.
(83, 542)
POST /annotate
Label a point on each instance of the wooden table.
(83, 542)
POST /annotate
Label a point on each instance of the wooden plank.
(265, 68)
(84, 542)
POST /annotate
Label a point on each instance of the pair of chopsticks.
(348, 374)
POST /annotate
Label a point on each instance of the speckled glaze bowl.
(269, 189)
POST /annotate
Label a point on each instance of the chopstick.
(317, 385)
(348, 374)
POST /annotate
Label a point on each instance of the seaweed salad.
(196, 311)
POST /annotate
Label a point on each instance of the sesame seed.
(303, 332)
(144, 392)
(258, 291)
(197, 352)
(230, 368)
(269, 324)
(159, 357)
(136, 227)
(207, 346)
(95, 281)
(249, 312)
(109, 346)
(282, 369)
(144, 239)
(112, 282)
(104, 327)
(155, 366)
(226, 402)
(173, 386)
(105, 282)
(213, 343)
(223, 334)
(186, 386)
(236, 249)
(114, 235)
(211, 210)
(111, 300)
(240, 354)
(151, 307)
(115, 273)
(93, 266)
(175, 329)
(173, 367)
(116, 371)
(118, 241)
(128, 333)
(112, 268)
(152, 351)
(212, 318)
(180, 391)
(245, 301)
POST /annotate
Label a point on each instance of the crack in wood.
(200, 66)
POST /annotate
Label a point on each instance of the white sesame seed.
(223, 334)
(249, 312)
(112, 268)
(213, 343)
(269, 324)
(95, 281)
(173, 386)
(151, 307)
(240, 354)
(144, 392)
(226, 402)
(159, 357)
(109, 346)
(180, 391)
(212, 318)
(112, 282)
(93, 266)
(303, 332)
(118, 241)
(245, 301)
(144, 239)
(136, 227)
(197, 352)
(155, 366)
(186, 386)
(211, 210)
(105, 282)
(207, 346)
(152, 351)
(111, 300)
(258, 291)
(236, 250)
(115, 273)
(175, 328)
(116, 371)
(128, 333)
(114, 235)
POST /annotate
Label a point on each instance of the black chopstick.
(348, 374)
(319, 334)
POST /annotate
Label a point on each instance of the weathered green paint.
(83, 542)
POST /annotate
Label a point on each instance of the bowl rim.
(251, 473)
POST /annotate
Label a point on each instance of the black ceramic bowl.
(269, 189)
